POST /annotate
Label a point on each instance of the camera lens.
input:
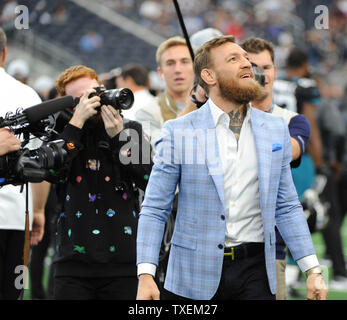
(126, 99)
(120, 98)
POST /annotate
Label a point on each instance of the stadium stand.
(118, 48)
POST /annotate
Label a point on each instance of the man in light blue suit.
(230, 163)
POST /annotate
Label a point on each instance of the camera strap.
(26, 249)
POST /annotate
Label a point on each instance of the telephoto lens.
(121, 99)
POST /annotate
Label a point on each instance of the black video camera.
(44, 163)
(35, 165)
(121, 99)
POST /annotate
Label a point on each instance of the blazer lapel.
(262, 140)
(209, 147)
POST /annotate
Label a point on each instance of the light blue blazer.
(195, 262)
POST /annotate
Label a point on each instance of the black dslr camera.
(121, 99)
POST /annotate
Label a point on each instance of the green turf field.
(320, 248)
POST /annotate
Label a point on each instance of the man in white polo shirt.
(14, 95)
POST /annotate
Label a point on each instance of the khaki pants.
(281, 280)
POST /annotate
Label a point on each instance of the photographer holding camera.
(15, 95)
(96, 231)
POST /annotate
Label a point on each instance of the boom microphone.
(183, 27)
(47, 108)
(38, 112)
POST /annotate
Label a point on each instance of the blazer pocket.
(184, 240)
(187, 224)
(276, 147)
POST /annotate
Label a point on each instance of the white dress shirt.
(240, 173)
(14, 95)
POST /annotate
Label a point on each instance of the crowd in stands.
(286, 23)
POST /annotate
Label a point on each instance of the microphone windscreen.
(44, 109)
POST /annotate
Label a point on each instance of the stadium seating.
(119, 47)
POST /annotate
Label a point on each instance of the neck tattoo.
(236, 121)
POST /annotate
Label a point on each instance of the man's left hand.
(112, 120)
(316, 288)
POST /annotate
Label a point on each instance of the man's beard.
(232, 90)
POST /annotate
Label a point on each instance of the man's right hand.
(85, 109)
(200, 96)
(8, 142)
(147, 288)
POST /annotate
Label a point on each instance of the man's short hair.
(3, 40)
(137, 72)
(258, 45)
(71, 74)
(171, 42)
(202, 58)
(296, 58)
